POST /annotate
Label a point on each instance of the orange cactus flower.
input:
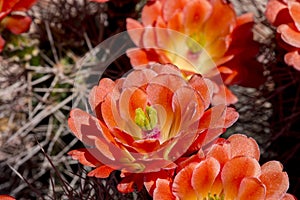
(229, 170)
(144, 122)
(284, 14)
(14, 22)
(6, 197)
(209, 26)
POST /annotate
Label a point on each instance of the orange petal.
(204, 87)
(274, 179)
(101, 172)
(289, 197)
(109, 113)
(294, 8)
(138, 57)
(150, 13)
(6, 197)
(220, 22)
(84, 126)
(196, 12)
(224, 96)
(17, 24)
(170, 7)
(98, 93)
(274, 11)
(241, 145)
(85, 157)
(149, 38)
(163, 190)
(182, 185)
(219, 116)
(135, 30)
(204, 176)
(234, 171)
(23, 5)
(176, 21)
(220, 153)
(100, 1)
(129, 101)
(251, 187)
(289, 34)
(293, 59)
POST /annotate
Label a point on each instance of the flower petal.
(6, 197)
(182, 186)
(151, 12)
(289, 34)
(196, 13)
(234, 171)
(101, 172)
(135, 30)
(294, 8)
(84, 126)
(277, 12)
(251, 187)
(293, 59)
(85, 157)
(162, 190)
(23, 5)
(98, 94)
(17, 24)
(241, 145)
(204, 176)
(275, 180)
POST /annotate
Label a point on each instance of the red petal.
(204, 176)
(251, 187)
(2, 43)
(163, 190)
(101, 172)
(23, 5)
(6, 7)
(241, 145)
(234, 171)
(17, 24)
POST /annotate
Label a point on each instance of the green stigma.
(146, 120)
(196, 42)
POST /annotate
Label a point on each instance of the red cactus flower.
(15, 22)
(229, 170)
(284, 14)
(146, 121)
(205, 25)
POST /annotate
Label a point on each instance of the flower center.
(196, 42)
(147, 121)
(214, 197)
